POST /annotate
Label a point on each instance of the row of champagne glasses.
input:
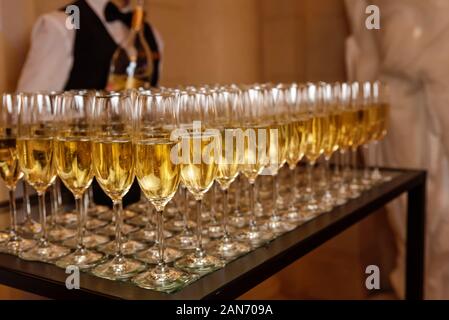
(184, 138)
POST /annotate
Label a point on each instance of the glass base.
(30, 227)
(139, 207)
(229, 249)
(94, 224)
(255, 237)
(90, 241)
(95, 210)
(151, 256)
(118, 269)
(185, 241)
(4, 236)
(277, 225)
(260, 212)
(140, 221)
(149, 236)
(167, 280)
(16, 246)
(109, 230)
(108, 215)
(178, 225)
(214, 231)
(45, 252)
(83, 259)
(292, 215)
(238, 221)
(59, 233)
(200, 263)
(68, 219)
(129, 248)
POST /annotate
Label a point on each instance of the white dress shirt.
(50, 58)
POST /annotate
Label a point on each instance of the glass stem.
(81, 221)
(225, 213)
(199, 227)
(160, 239)
(26, 201)
(366, 164)
(90, 196)
(43, 218)
(185, 214)
(54, 205)
(293, 176)
(118, 209)
(354, 164)
(327, 172)
(337, 164)
(376, 172)
(212, 206)
(275, 196)
(252, 200)
(310, 166)
(237, 197)
(13, 213)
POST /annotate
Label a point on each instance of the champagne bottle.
(132, 64)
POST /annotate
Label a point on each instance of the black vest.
(93, 50)
(92, 55)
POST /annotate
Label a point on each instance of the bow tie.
(113, 13)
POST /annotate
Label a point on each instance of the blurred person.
(409, 53)
(62, 59)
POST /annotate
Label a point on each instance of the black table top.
(230, 282)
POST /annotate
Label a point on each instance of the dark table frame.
(245, 273)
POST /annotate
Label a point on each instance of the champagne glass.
(73, 155)
(380, 113)
(342, 93)
(314, 148)
(279, 99)
(199, 156)
(113, 162)
(356, 137)
(153, 136)
(298, 131)
(10, 171)
(255, 156)
(227, 103)
(330, 145)
(158, 175)
(36, 157)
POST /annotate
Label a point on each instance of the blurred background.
(245, 41)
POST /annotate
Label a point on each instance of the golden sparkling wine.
(379, 119)
(298, 132)
(9, 162)
(229, 162)
(330, 138)
(256, 145)
(157, 174)
(36, 161)
(198, 159)
(73, 157)
(278, 146)
(348, 122)
(315, 140)
(114, 165)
